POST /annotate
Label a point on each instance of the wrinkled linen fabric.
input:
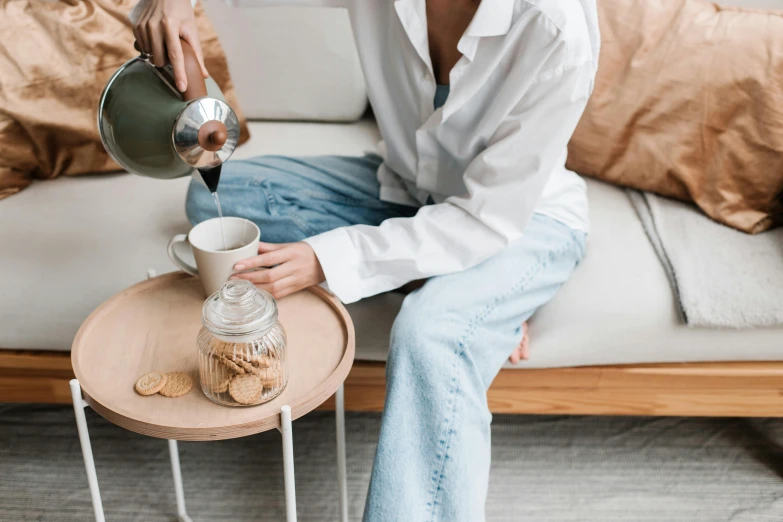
(688, 103)
(55, 59)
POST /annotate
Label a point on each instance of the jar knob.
(239, 308)
(238, 292)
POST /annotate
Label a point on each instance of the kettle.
(151, 129)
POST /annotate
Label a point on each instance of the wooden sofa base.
(735, 389)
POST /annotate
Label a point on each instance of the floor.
(596, 469)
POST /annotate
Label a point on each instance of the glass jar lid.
(239, 308)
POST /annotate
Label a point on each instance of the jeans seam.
(438, 474)
(345, 200)
(270, 200)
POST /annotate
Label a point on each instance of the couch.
(611, 342)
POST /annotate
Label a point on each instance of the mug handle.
(185, 267)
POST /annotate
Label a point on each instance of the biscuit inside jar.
(241, 374)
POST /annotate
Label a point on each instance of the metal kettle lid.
(206, 131)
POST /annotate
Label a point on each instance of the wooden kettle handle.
(213, 134)
(197, 88)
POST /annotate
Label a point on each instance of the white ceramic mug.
(214, 264)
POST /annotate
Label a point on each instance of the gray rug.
(597, 469)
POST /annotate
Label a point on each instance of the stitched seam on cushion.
(469, 331)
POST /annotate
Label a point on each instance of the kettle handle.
(197, 88)
(213, 134)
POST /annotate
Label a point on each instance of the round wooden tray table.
(152, 326)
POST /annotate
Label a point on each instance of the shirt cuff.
(340, 262)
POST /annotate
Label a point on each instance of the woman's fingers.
(175, 54)
(137, 36)
(281, 287)
(143, 30)
(265, 275)
(157, 42)
(272, 258)
(270, 247)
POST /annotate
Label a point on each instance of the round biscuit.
(245, 388)
(177, 384)
(150, 383)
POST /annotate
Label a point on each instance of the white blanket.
(722, 277)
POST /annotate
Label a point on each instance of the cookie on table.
(151, 383)
(177, 384)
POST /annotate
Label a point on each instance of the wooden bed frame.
(736, 389)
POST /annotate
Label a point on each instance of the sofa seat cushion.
(69, 244)
(618, 307)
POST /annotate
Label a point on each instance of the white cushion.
(289, 63)
(70, 243)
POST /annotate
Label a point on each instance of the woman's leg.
(449, 341)
(294, 198)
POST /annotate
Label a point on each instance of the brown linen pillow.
(55, 59)
(688, 103)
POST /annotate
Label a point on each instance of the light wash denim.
(448, 342)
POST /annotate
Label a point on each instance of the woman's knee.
(421, 339)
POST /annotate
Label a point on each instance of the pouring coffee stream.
(151, 129)
(211, 178)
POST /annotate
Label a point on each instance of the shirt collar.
(493, 18)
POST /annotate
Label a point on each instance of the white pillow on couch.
(291, 63)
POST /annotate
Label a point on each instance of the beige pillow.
(55, 59)
(688, 103)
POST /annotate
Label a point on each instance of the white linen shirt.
(490, 157)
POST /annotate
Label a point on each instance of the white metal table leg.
(342, 483)
(84, 438)
(179, 491)
(288, 463)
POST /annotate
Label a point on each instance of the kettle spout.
(209, 176)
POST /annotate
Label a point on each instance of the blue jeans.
(448, 342)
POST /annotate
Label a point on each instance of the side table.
(152, 326)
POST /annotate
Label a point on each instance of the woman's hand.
(294, 267)
(522, 351)
(158, 30)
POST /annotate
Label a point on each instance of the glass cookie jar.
(242, 346)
